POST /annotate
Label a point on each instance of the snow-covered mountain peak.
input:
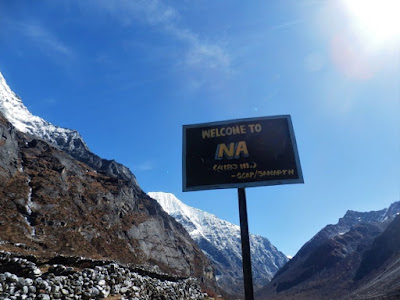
(67, 140)
(22, 119)
(14, 110)
(174, 206)
(169, 202)
(196, 221)
(220, 241)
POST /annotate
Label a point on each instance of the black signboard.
(240, 153)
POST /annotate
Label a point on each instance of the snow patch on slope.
(22, 119)
(223, 240)
(200, 223)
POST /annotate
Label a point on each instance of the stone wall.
(26, 278)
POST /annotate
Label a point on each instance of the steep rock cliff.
(54, 204)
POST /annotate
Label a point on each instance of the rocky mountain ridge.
(221, 242)
(68, 140)
(342, 261)
(54, 204)
(352, 218)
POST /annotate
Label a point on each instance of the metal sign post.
(246, 257)
(238, 154)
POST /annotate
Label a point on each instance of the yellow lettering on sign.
(260, 173)
(234, 150)
(242, 129)
(213, 132)
(222, 149)
(223, 131)
(205, 134)
(255, 128)
(241, 148)
(225, 167)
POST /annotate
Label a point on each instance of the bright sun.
(377, 20)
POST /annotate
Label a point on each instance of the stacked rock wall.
(26, 280)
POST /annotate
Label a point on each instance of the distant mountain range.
(357, 258)
(220, 241)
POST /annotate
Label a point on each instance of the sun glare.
(378, 21)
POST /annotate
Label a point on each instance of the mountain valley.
(68, 215)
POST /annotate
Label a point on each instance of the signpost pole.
(237, 154)
(244, 230)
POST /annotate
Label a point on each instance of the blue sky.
(128, 74)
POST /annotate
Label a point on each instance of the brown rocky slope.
(53, 204)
